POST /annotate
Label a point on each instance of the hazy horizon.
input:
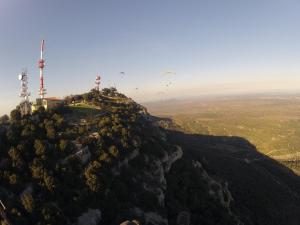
(210, 47)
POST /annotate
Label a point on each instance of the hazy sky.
(214, 46)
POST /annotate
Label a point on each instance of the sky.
(211, 46)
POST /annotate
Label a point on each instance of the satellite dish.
(20, 76)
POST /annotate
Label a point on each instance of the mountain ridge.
(102, 159)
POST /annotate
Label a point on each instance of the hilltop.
(101, 158)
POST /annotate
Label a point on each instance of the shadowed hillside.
(252, 187)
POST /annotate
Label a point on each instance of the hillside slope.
(102, 159)
(252, 187)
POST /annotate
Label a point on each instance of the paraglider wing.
(168, 72)
(122, 74)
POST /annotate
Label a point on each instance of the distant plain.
(270, 122)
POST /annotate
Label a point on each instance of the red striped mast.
(42, 91)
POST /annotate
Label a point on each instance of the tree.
(15, 115)
(63, 145)
(49, 182)
(4, 119)
(26, 132)
(15, 155)
(92, 176)
(40, 148)
(13, 178)
(59, 120)
(81, 130)
(77, 98)
(50, 129)
(52, 214)
(12, 134)
(113, 151)
(87, 97)
(27, 202)
(104, 156)
(37, 169)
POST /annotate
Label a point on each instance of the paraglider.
(122, 74)
(168, 73)
(169, 84)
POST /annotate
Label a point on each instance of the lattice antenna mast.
(97, 83)
(42, 90)
(24, 94)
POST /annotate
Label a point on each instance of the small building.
(47, 103)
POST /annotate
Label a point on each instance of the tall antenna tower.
(42, 91)
(24, 94)
(97, 83)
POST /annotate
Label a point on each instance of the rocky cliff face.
(149, 179)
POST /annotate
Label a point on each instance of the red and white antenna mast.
(97, 83)
(42, 91)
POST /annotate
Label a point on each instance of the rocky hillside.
(102, 159)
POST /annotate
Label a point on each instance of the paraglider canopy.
(169, 73)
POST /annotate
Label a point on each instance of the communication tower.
(42, 91)
(25, 106)
(97, 83)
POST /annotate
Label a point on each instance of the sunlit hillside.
(270, 123)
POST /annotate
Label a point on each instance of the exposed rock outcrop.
(90, 217)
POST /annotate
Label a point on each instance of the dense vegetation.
(45, 178)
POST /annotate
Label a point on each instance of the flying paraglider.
(122, 74)
(169, 73)
(168, 84)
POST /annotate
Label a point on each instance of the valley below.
(271, 123)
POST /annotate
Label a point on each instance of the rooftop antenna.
(42, 91)
(24, 94)
(97, 83)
